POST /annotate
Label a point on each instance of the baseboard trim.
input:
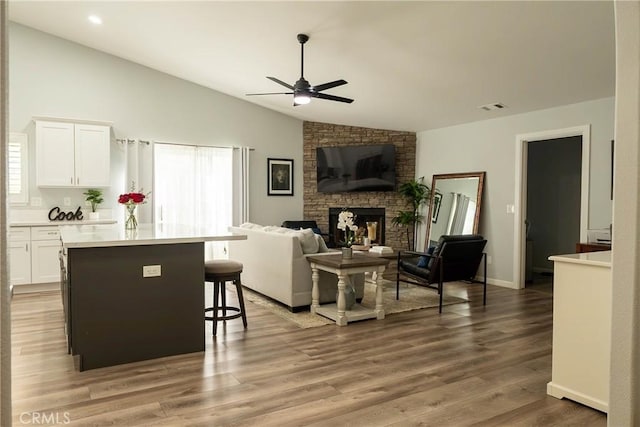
(35, 287)
(498, 282)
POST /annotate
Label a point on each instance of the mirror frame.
(476, 220)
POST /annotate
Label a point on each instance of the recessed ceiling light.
(95, 19)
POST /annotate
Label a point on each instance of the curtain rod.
(132, 141)
(199, 145)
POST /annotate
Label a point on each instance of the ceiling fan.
(302, 91)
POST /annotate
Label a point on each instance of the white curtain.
(194, 185)
(470, 218)
(241, 185)
(458, 214)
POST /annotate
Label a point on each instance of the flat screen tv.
(356, 168)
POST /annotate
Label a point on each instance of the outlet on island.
(151, 270)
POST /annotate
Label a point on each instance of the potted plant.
(94, 196)
(416, 193)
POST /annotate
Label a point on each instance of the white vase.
(93, 216)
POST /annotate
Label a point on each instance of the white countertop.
(92, 236)
(46, 223)
(598, 259)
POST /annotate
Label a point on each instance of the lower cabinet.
(20, 255)
(33, 255)
(45, 245)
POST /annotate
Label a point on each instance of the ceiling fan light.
(301, 99)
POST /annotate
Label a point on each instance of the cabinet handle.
(78, 181)
(26, 247)
(71, 181)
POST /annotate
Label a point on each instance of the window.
(194, 185)
(17, 160)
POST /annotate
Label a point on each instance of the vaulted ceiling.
(409, 65)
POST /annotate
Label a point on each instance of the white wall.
(53, 77)
(624, 386)
(490, 146)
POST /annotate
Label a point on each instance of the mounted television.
(356, 168)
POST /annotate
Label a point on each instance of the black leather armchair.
(453, 258)
(296, 225)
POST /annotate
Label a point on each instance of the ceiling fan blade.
(287, 85)
(329, 85)
(331, 97)
(270, 93)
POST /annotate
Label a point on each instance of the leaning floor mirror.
(454, 207)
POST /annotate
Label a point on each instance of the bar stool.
(219, 272)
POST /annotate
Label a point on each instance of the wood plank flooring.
(471, 365)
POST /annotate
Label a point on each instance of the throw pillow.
(322, 246)
(422, 262)
(308, 241)
(434, 251)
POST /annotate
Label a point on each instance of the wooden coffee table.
(343, 268)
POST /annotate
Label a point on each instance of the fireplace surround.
(316, 205)
(363, 216)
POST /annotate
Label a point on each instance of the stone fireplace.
(317, 205)
(365, 219)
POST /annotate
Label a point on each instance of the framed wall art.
(280, 177)
(437, 201)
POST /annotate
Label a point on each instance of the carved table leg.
(341, 303)
(379, 306)
(315, 292)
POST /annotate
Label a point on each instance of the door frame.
(519, 227)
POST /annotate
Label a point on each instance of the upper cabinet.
(72, 154)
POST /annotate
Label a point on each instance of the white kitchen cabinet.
(33, 255)
(72, 154)
(45, 245)
(581, 328)
(19, 255)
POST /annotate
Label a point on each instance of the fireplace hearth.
(363, 216)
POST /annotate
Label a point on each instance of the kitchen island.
(581, 328)
(132, 295)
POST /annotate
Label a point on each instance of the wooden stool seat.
(219, 272)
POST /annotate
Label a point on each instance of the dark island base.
(115, 315)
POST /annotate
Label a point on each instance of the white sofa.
(275, 265)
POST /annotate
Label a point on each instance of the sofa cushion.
(251, 226)
(410, 265)
(306, 237)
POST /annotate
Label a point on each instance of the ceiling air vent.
(493, 106)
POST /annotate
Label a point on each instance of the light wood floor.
(470, 365)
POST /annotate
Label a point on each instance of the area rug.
(411, 298)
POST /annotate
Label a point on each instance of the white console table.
(581, 328)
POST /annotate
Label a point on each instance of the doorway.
(552, 147)
(552, 221)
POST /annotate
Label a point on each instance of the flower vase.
(347, 253)
(131, 223)
(372, 230)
